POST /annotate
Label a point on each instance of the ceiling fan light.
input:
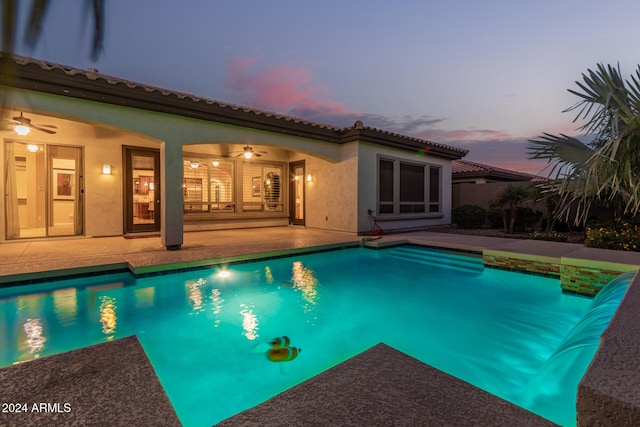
(194, 165)
(22, 130)
(248, 154)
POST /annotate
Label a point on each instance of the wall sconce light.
(22, 130)
(106, 169)
(309, 178)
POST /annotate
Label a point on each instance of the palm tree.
(606, 170)
(511, 197)
(33, 31)
(34, 25)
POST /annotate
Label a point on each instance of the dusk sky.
(485, 76)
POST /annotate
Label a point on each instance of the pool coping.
(384, 386)
(111, 383)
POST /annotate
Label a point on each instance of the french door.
(142, 190)
(44, 190)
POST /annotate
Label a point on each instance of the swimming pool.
(206, 332)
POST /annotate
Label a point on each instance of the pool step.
(437, 259)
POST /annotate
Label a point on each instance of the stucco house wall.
(103, 114)
(332, 195)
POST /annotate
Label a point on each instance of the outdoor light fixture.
(32, 148)
(106, 169)
(22, 130)
(309, 178)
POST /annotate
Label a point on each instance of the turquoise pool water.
(206, 331)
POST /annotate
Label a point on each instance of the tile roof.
(464, 168)
(45, 76)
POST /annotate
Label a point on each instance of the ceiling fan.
(22, 125)
(248, 152)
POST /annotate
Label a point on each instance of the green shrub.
(552, 236)
(495, 218)
(526, 218)
(621, 234)
(468, 216)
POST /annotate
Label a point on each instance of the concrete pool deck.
(608, 393)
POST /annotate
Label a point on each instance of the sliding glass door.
(43, 190)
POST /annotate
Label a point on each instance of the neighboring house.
(129, 158)
(478, 184)
(464, 171)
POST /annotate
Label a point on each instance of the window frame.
(432, 203)
(236, 206)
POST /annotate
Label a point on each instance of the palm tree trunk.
(505, 221)
(512, 219)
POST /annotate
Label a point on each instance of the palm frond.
(607, 170)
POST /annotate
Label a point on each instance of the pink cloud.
(282, 88)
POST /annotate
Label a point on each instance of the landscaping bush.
(621, 234)
(495, 218)
(551, 236)
(526, 218)
(468, 216)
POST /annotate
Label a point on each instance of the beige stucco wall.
(481, 194)
(332, 196)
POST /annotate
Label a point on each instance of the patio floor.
(34, 260)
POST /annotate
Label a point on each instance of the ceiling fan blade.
(49, 126)
(256, 154)
(49, 131)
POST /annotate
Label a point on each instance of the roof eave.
(379, 137)
(32, 77)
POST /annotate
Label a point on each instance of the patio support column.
(172, 217)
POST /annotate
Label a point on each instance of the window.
(261, 187)
(211, 186)
(408, 188)
(434, 189)
(386, 186)
(411, 188)
(208, 186)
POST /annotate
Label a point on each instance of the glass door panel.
(43, 188)
(65, 195)
(142, 192)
